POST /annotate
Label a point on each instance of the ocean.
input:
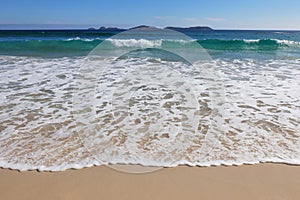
(78, 98)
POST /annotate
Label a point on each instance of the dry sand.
(262, 181)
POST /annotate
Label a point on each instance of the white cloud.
(212, 19)
(163, 17)
(162, 21)
(191, 19)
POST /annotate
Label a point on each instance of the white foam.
(38, 130)
(83, 39)
(141, 43)
(286, 42)
(251, 40)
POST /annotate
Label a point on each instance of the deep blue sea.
(77, 98)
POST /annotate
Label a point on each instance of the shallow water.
(233, 111)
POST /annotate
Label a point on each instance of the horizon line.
(97, 27)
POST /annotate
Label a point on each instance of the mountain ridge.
(192, 28)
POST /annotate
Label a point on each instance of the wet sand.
(262, 181)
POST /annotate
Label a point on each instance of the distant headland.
(193, 28)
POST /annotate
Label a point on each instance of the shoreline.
(259, 181)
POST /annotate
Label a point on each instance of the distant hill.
(102, 28)
(194, 28)
(141, 26)
(111, 29)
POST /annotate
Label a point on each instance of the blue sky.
(219, 14)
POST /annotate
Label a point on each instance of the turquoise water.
(220, 44)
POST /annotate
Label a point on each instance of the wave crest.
(81, 46)
(141, 43)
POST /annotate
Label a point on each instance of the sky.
(218, 14)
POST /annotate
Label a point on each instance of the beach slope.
(262, 181)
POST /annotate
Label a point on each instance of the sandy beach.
(262, 181)
(206, 91)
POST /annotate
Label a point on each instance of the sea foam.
(41, 129)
